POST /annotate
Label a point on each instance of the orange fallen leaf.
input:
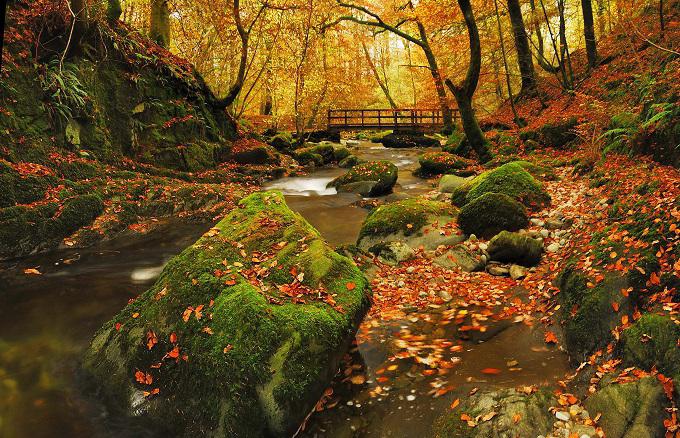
(491, 371)
(550, 337)
(455, 403)
(351, 286)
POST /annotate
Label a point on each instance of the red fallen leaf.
(615, 306)
(174, 353)
(143, 378)
(654, 279)
(152, 392)
(491, 371)
(550, 337)
(173, 337)
(230, 282)
(351, 286)
(667, 384)
(118, 326)
(151, 339)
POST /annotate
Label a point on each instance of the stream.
(46, 322)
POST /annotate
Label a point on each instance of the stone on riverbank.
(490, 214)
(630, 410)
(408, 141)
(241, 333)
(517, 248)
(652, 342)
(383, 175)
(449, 183)
(405, 221)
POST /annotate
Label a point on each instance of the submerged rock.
(490, 214)
(382, 173)
(515, 248)
(241, 333)
(630, 410)
(509, 179)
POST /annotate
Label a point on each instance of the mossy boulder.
(22, 189)
(383, 175)
(510, 179)
(456, 143)
(449, 183)
(516, 248)
(349, 162)
(282, 142)
(402, 219)
(630, 410)
(517, 414)
(652, 342)
(492, 213)
(241, 333)
(589, 327)
(438, 163)
(404, 140)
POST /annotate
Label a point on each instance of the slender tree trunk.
(160, 23)
(3, 14)
(601, 22)
(543, 62)
(464, 93)
(447, 114)
(413, 79)
(236, 87)
(526, 64)
(383, 85)
(565, 57)
(589, 32)
(505, 63)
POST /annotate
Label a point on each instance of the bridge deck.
(396, 119)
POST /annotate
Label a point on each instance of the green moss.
(280, 354)
(282, 142)
(311, 153)
(77, 170)
(407, 217)
(558, 134)
(384, 173)
(652, 342)
(456, 143)
(349, 162)
(340, 153)
(509, 179)
(491, 213)
(624, 120)
(307, 157)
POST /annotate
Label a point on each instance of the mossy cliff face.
(240, 334)
(509, 179)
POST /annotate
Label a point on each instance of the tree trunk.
(465, 92)
(447, 114)
(3, 14)
(383, 85)
(113, 11)
(589, 32)
(236, 87)
(81, 23)
(526, 64)
(160, 23)
(505, 64)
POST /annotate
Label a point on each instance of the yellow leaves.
(207, 330)
(163, 292)
(227, 349)
(613, 255)
(135, 315)
(516, 418)
(152, 392)
(212, 232)
(359, 379)
(32, 271)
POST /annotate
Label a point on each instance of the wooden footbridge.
(394, 119)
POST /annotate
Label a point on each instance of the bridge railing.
(412, 118)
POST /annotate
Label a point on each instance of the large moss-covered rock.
(449, 183)
(513, 414)
(515, 248)
(437, 163)
(630, 410)
(492, 213)
(652, 342)
(382, 173)
(509, 179)
(241, 333)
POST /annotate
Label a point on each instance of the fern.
(66, 95)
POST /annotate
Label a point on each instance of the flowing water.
(46, 321)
